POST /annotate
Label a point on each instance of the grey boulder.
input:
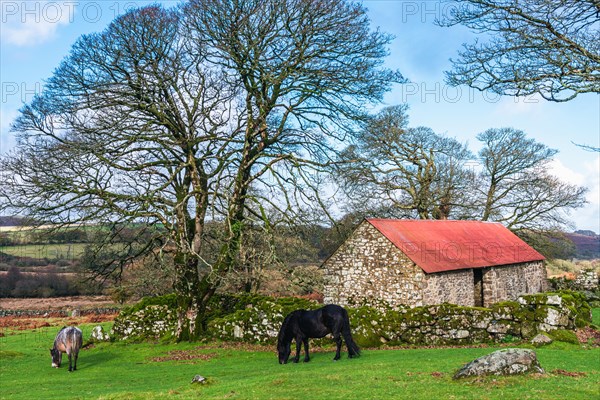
(502, 362)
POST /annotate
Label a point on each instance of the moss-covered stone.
(509, 310)
(563, 335)
(256, 318)
(528, 329)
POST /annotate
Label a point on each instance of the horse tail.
(77, 338)
(353, 349)
(73, 340)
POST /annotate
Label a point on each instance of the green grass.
(596, 316)
(69, 251)
(127, 371)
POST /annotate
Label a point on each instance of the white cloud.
(592, 181)
(566, 174)
(7, 139)
(588, 175)
(29, 23)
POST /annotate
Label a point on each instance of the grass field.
(164, 371)
(71, 251)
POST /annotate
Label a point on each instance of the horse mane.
(288, 322)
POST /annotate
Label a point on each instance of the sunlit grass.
(154, 371)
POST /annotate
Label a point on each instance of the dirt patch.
(568, 373)
(21, 323)
(56, 303)
(244, 346)
(186, 356)
(589, 336)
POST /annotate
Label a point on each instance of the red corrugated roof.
(438, 246)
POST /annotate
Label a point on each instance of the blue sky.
(36, 35)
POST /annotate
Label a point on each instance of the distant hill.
(12, 221)
(587, 244)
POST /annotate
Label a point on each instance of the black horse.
(302, 325)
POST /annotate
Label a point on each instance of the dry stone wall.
(258, 319)
(587, 280)
(427, 325)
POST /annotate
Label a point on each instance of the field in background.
(57, 303)
(63, 251)
(569, 268)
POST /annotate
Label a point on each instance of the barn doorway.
(478, 287)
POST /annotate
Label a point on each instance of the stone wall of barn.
(369, 267)
(510, 281)
(455, 287)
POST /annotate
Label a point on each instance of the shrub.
(18, 284)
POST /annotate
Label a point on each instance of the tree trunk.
(187, 287)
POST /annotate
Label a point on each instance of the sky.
(36, 35)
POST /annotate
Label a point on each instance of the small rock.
(99, 334)
(590, 296)
(502, 362)
(522, 301)
(238, 332)
(199, 379)
(541, 339)
(554, 300)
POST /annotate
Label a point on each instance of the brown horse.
(68, 340)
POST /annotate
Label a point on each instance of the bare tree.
(516, 188)
(394, 170)
(215, 110)
(550, 47)
(411, 171)
(306, 68)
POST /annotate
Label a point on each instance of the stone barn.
(423, 262)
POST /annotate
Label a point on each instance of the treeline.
(48, 284)
(44, 236)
